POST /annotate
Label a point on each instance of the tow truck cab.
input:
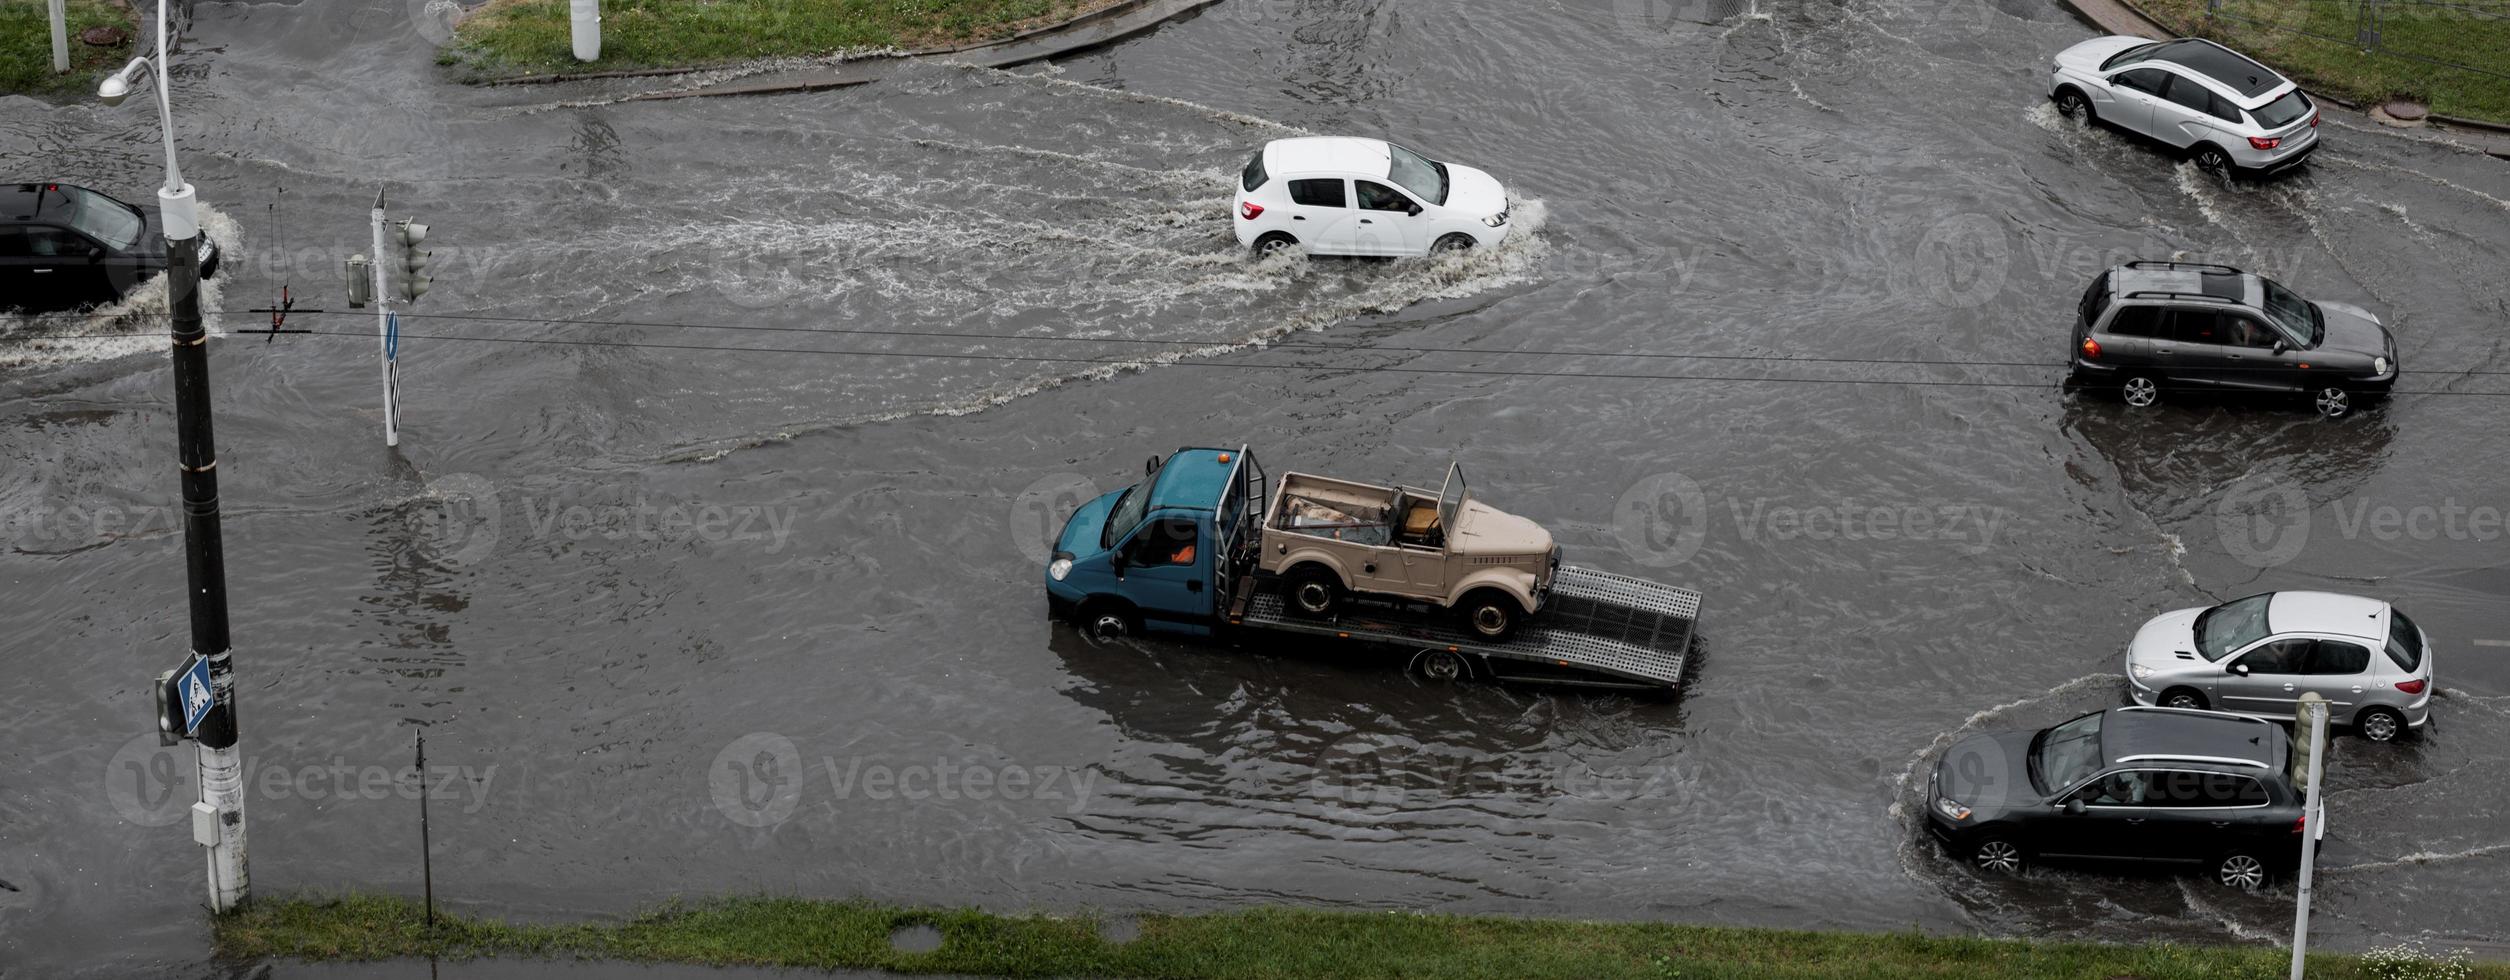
(1160, 554)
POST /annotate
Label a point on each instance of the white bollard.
(58, 11)
(587, 18)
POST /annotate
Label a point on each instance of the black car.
(2151, 329)
(64, 247)
(2159, 786)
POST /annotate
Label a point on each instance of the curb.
(2112, 15)
(1085, 19)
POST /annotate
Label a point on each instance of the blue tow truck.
(1177, 553)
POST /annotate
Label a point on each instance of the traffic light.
(169, 705)
(414, 278)
(361, 282)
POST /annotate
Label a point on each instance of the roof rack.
(2175, 294)
(2215, 267)
(2194, 711)
(2175, 757)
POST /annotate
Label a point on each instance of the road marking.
(2492, 643)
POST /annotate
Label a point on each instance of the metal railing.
(2367, 19)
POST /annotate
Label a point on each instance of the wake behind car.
(2257, 656)
(2228, 112)
(2151, 329)
(2154, 786)
(1347, 196)
(64, 247)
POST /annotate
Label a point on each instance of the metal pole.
(426, 855)
(2314, 827)
(60, 36)
(204, 551)
(383, 330)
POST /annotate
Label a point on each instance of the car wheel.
(1444, 666)
(2072, 105)
(2379, 724)
(1455, 242)
(2139, 391)
(2241, 870)
(2212, 160)
(1996, 855)
(1490, 615)
(1274, 241)
(2182, 697)
(1107, 624)
(1314, 591)
(2333, 402)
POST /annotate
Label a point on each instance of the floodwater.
(1782, 321)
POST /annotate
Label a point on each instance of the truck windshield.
(2066, 754)
(1125, 514)
(2232, 625)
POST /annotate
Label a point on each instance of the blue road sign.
(198, 697)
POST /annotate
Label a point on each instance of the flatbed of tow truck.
(1597, 629)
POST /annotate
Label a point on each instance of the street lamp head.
(117, 86)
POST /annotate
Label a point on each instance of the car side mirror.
(2074, 807)
(95, 253)
(1413, 210)
(2240, 669)
(2281, 347)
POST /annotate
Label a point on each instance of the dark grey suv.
(2155, 329)
(2159, 786)
(63, 246)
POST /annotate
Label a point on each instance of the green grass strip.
(26, 47)
(1262, 943)
(2277, 32)
(519, 37)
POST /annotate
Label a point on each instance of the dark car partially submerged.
(2165, 329)
(63, 247)
(2152, 786)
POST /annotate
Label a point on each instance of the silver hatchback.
(2257, 656)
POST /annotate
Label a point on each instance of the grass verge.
(1265, 943)
(2465, 32)
(26, 46)
(506, 38)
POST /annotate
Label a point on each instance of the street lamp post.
(219, 818)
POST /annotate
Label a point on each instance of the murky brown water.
(688, 621)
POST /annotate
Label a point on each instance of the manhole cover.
(2406, 111)
(104, 36)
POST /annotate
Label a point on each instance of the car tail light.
(2411, 687)
(1249, 209)
(2313, 120)
(2265, 142)
(2300, 825)
(2091, 349)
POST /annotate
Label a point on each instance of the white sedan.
(1347, 196)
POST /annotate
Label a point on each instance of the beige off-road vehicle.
(1329, 538)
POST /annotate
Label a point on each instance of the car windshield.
(1126, 513)
(1424, 177)
(102, 218)
(2298, 318)
(2067, 754)
(2405, 642)
(2232, 625)
(2282, 112)
(2130, 55)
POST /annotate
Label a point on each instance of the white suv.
(2231, 113)
(1345, 196)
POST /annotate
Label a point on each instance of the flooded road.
(1783, 323)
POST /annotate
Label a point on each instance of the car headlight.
(1059, 568)
(1951, 809)
(1496, 220)
(2379, 365)
(2140, 671)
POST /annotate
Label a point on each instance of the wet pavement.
(683, 620)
